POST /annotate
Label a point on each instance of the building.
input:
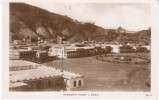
(36, 56)
(71, 53)
(27, 55)
(126, 49)
(38, 79)
(77, 50)
(64, 52)
(15, 65)
(17, 41)
(141, 49)
(73, 80)
(108, 49)
(58, 51)
(113, 48)
(14, 54)
(28, 76)
(30, 48)
(41, 54)
(148, 47)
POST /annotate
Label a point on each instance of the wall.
(43, 84)
(77, 82)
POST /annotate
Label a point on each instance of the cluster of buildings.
(79, 50)
(26, 75)
(42, 53)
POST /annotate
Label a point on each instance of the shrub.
(135, 62)
(103, 60)
(97, 57)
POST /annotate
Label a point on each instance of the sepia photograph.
(83, 49)
(79, 47)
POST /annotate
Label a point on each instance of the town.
(44, 65)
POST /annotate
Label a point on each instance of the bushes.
(97, 57)
(103, 60)
(135, 62)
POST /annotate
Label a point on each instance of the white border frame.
(102, 95)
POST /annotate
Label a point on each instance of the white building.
(115, 48)
(73, 80)
(58, 51)
(63, 51)
(148, 47)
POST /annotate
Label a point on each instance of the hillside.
(34, 22)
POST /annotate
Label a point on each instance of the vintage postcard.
(80, 49)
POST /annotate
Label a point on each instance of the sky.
(131, 16)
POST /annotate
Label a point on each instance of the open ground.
(107, 76)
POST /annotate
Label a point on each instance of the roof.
(17, 84)
(69, 75)
(20, 63)
(41, 51)
(41, 72)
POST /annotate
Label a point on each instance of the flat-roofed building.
(114, 48)
(17, 41)
(41, 54)
(15, 65)
(64, 52)
(38, 79)
(148, 47)
(141, 49)
(126, 49)
(58, 51)
(14, 54)
(44, 78)
(74, 81)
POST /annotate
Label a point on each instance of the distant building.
(99, 50)
(114, 48)
(16, 65)
(120, 30)
(14, 54)
(141, 49)
(131, 43)
(41, 54)
(30, 48)
(59, 39)
(58, 51)
(108, 49)
(126, 49)
(64, 52)
(27, 39)
(17, 41)
(148, 47)
(36, 56)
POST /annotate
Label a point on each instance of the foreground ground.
(106, 76)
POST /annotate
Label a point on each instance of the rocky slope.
(34, 22)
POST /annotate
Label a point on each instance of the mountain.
(34, 22)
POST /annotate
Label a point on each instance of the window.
(37, 55)
(74, 84)
(79, 82)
